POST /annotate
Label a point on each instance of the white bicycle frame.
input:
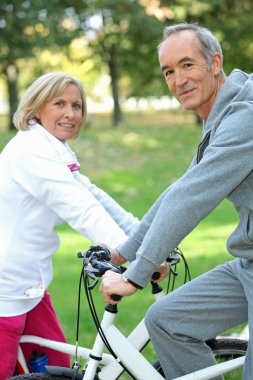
(130, 345)
(127, 351)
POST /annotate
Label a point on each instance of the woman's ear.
(217, 63)
(37, 116)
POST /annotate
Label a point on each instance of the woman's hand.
(116, 258)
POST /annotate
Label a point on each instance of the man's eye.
(167, 73)
(188, 65)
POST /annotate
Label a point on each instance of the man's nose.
(180, 78)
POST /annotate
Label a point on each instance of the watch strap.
(131, 282)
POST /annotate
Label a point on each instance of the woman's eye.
(59, 103)
(77, 106)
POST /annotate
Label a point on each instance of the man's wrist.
(127, 280)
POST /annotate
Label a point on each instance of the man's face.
(190, 80)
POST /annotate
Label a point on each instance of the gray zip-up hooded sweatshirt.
(223, 168)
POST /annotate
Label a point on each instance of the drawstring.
(74, 167)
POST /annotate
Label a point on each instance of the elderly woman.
(40, 188)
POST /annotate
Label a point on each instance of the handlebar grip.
(155, 276)
(116, 297)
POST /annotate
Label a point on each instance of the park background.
(137, 140)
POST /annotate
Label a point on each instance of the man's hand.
(163, 270)
(113, 283)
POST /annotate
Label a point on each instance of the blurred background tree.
(119, 38)
(123, 37)
(229, 20)
(26, 29)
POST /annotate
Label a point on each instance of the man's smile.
(185, 92)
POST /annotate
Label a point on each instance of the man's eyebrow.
(163, 67)
(186, 58)
(182, 60)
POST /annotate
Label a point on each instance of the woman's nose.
(69, 112)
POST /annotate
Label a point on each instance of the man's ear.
(217, 63)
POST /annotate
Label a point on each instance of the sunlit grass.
(134, 163)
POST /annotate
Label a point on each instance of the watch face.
(131, 282)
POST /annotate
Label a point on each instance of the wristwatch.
(131, 282)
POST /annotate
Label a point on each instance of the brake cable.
(97, 322)
(187, 275)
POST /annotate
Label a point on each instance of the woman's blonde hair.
(42, 90)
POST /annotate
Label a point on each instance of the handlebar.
(97, 261)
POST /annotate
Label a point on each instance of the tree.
(121, 36)
(26, 27)
(229, 20)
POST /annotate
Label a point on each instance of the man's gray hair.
(209, 42)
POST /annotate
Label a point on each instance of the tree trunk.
(11, 73)
(117, 113)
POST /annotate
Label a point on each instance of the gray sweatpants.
(181, 322)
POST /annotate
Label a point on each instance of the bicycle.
(124, 352)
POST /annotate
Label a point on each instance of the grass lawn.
(134, 164)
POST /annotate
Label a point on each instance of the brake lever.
(173, 271)
(93, 277)
(173, 259)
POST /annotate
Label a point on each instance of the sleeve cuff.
(128, 249)
(140, 271)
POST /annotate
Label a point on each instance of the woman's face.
(62, 116)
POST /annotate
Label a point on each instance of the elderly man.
(191, 61)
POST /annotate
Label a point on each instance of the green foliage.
(117, 37)
(229, 20)
(26, 28)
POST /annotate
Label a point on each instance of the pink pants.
(40, 321)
